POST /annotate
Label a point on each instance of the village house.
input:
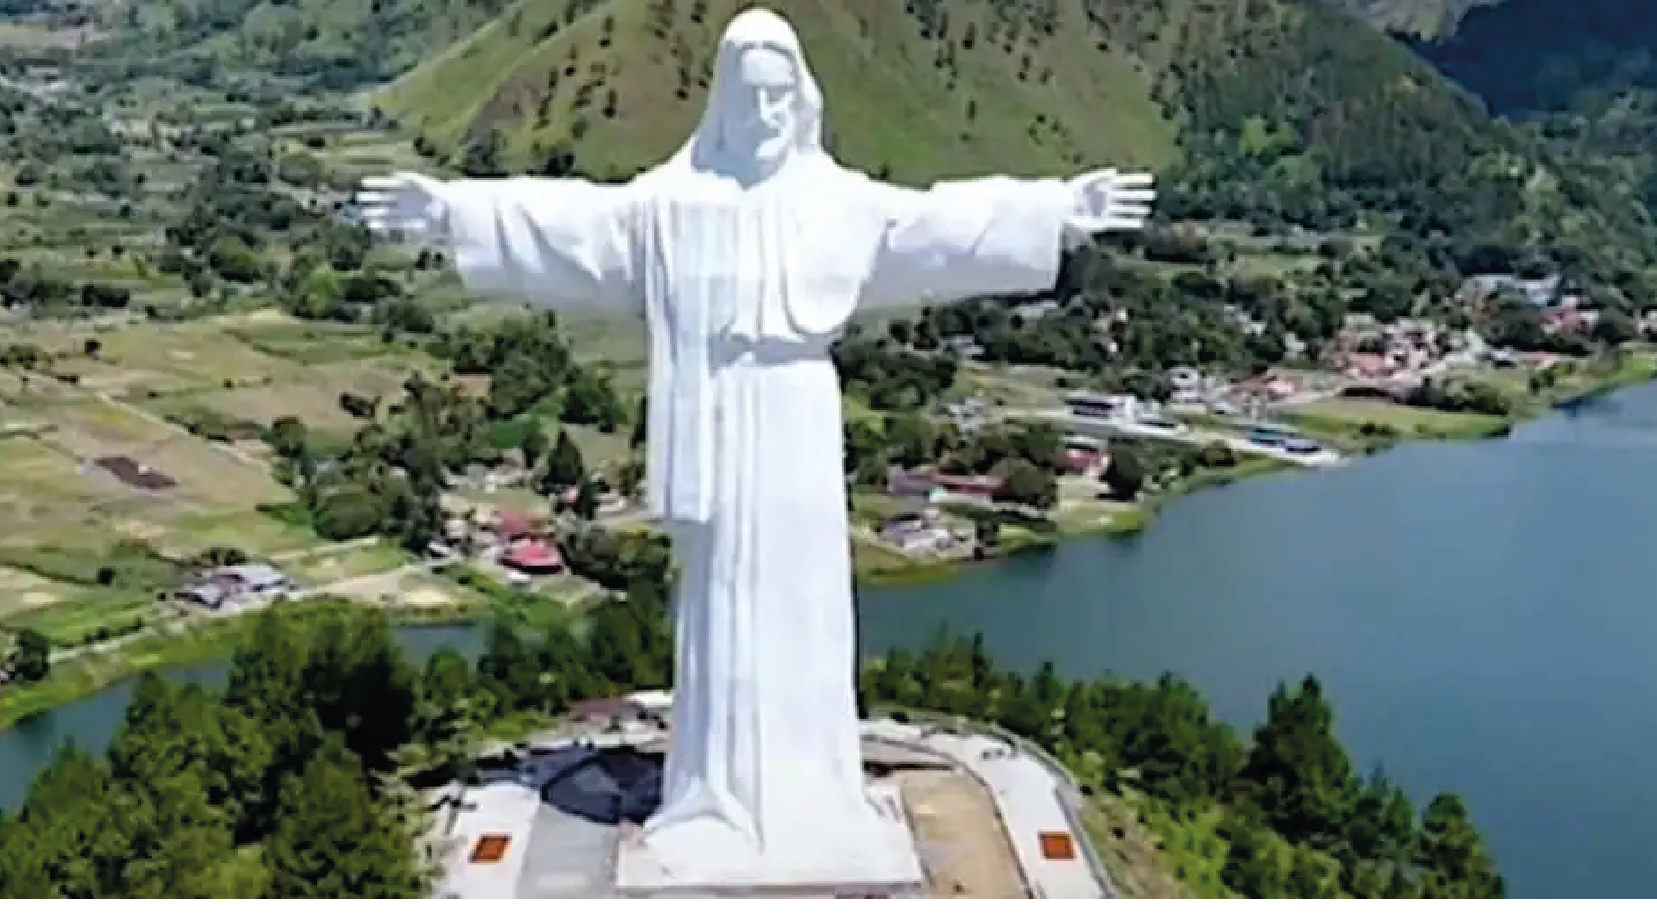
(1082, 459)
(534, 556)
(1034, 311)
(964, 346)
(237, 585)
(930, 484)
(1539, 291)
(919, 532)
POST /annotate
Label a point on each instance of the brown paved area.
(963, 844)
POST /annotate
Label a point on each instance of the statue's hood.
(706, 149)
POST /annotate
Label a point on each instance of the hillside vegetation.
(331, 43)
(920, 89)
(1579, 75)
(1268, 111)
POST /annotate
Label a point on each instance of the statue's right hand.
(406, 204)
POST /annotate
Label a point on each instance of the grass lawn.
(1405, 421)
(1028, 391)
(72, 622)
(23, 593)
(324, 566)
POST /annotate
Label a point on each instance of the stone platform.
(563, 813)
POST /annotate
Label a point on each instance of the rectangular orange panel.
(490, 848)
(1057, 845)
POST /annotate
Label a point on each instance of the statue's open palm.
(406, 204)
(1111, 201)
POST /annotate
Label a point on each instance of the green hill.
(1264, 110)
(920, 88)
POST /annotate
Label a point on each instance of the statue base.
(702, 857)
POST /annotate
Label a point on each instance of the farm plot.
(101, 470)
(316, 401)
(159, 357)
(22, 592)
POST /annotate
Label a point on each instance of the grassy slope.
(889, 102)
(257, 34)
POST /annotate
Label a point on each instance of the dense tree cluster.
(266, 788)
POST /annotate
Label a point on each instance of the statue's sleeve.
(555, 243)
(960, 239)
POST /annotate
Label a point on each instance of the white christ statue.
(747, 252)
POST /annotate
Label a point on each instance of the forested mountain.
(1529, 56)
(1578, 74)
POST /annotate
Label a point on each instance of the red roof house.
(533, 555)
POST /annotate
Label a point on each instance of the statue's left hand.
(1110, 201)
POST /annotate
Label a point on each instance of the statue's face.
(762, 103)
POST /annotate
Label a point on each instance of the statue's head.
(764, 106)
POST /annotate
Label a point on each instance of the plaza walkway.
(1034, 803)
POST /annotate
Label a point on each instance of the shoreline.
(1357, 439)
(205, 640)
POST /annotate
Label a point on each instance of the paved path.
(1032, 798)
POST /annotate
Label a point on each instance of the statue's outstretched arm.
(559, 243)
(960, 239)
(993, 236)
(556, 243)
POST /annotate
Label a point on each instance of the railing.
(1068, 793)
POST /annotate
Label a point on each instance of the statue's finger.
(1135, 195)
(1134, 179)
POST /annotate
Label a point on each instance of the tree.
(1615, 327)
(564, 466)
(586, 500)
(534, 446)
(334, 839)
(1454, 855)
(1124, 472)
(31, 656)
(1297, 773)
(288, 436)
(1023, 484)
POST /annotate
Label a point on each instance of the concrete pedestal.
(706, 858)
